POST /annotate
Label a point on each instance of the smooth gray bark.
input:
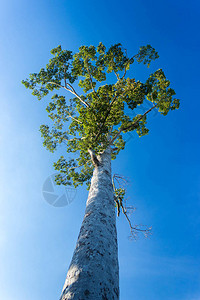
(94, 272)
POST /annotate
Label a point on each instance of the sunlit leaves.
(50, 78)
(146, 54)
(74, 172)
(159, 92)
(134, 93)
(104, 111)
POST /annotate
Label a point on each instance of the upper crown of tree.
(100, 116)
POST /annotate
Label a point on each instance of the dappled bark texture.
(94, 272)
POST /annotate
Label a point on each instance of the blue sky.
(37, 239)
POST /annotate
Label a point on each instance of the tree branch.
(71, 90)
(75, 119)
(70, 140)
(117, 75)
(124, 73)
(94, 158)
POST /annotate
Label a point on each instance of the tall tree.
(93, 125)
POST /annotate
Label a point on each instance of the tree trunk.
(94, 272)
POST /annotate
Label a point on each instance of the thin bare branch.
(119, 202)
(134, 229)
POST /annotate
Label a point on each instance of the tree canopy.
(100, 115)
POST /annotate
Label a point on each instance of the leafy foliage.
(97, 118)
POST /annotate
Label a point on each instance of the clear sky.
(37, 239)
